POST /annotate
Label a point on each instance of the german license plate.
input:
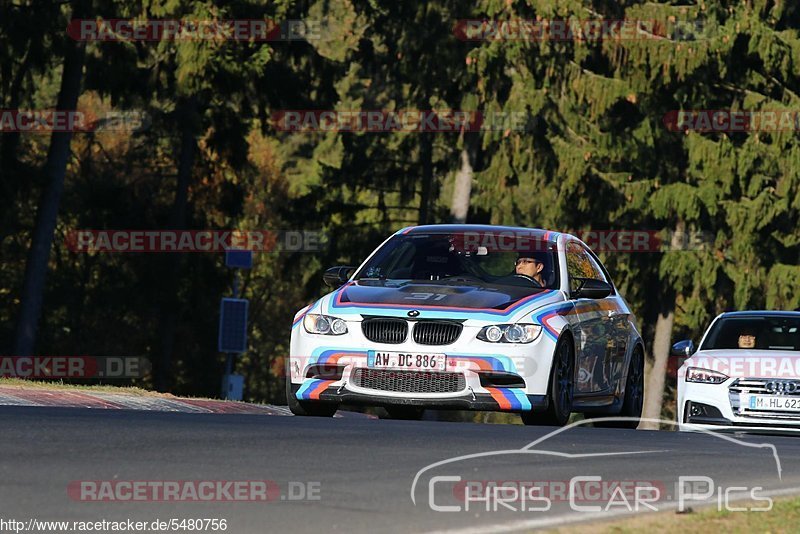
(406, 360)
(774, 403)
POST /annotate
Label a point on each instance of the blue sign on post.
(239, 259)
(233, 325)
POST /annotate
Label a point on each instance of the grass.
(59, 385)
(784, 517)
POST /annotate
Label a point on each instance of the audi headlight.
(324, 324)
(510, 333)
(705, 376)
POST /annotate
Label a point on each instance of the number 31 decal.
(427, 296)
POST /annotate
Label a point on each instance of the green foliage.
(596, 155)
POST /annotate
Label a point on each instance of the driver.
(747, 339)
(530, 266)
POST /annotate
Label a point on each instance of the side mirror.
(590, 288)
(683, 348)
(337, 276)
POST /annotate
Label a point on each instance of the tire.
(562, 388)
(314, 409)
(405, 413)
(634, 395)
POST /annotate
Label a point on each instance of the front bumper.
(718, 408)
(498, 399)
(478, 375)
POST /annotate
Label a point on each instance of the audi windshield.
(754, 332)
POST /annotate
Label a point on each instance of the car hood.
(743, 363)
(440, 300)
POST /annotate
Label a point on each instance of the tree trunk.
(462, 188)
(654, 393)
(426, 162)
(168, 309)
(10, 140)
(46, 216)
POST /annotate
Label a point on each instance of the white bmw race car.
(745, 376)
(470, 317)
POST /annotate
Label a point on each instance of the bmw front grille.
(437, 332)
(385, 330)
(394, 331)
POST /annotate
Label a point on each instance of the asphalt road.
(360, 470)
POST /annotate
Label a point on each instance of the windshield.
(483, 258)
(754, 332)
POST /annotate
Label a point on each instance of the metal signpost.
(233, 325)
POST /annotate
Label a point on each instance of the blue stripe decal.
(510, 397)
(300, 318)
(323, 354)
(522, 398)
(308, 385)
(323, 358)
(498, 362)
(550, 310)
(439, 312)
(518, 399)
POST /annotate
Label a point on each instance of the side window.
(597, 271)
(580, 264)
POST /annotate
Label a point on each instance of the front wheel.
(562, 389)
(315, 409)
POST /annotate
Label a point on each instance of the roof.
(762, 313)
(488, 228)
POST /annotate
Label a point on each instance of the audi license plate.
(777, 403)
(406, 360)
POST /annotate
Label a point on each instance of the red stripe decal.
(319, 388)
(501, 399)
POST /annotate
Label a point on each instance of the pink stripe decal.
(511, 307)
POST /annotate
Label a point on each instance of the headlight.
(705, 376)
(510, 333)
(324, 324)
